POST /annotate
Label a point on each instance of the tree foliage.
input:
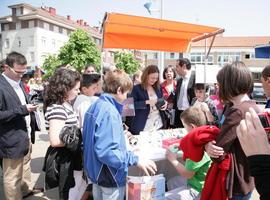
(50, 63)
(79, 51)
(126, 62)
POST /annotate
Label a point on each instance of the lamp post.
(161, 53)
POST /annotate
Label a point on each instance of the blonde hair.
(193, 115)
(117, 79)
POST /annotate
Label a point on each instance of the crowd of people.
(225, 153)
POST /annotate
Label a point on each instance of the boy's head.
(117, 83)
(192, 117)
(90, 84)
(265, 79)
(200, 91)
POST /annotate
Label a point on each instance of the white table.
(149, 146)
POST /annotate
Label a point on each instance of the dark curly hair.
(60, 83)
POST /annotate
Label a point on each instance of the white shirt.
(154, 121)
(81, 105)
(17, 88)
(183, 102)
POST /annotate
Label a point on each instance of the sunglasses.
(16, 71)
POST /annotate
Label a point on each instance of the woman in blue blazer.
(149, 115)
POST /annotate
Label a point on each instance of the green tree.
(126, 62)
(79, 51)
(50, 63)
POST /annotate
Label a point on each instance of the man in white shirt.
(184, 89)
(16, 128)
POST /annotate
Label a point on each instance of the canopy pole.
(205, 60)
(161, 53)
(102, 42)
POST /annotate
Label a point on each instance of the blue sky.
(238, 17)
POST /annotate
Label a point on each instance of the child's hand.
(204, 107)
(171, 156)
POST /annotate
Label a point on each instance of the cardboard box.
(146, 187)
(166, 143)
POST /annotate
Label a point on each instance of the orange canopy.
(133, 32)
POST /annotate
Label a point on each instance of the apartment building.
(37, 32)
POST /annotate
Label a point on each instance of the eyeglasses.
(16, 71)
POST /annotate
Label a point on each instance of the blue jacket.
(106, 158)
(140, 95)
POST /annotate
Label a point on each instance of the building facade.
(224, 50)
(37, 32)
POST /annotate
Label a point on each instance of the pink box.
(166, 143)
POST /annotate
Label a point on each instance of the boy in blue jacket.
(106, 158)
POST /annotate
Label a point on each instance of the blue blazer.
(142, 110)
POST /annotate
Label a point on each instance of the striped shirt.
(61, 112)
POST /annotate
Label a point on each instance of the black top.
(260, 170)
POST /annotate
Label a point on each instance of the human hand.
(147, 166)
(252, 136)
(164, 107)
(171, 156)
(204, 107)
(212, 150)
(31, 107)
(151, 102)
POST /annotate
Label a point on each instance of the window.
(18, 25)
(43, 41)
(172, 55)
(31, 24)
(32, 56)
(155, 56)
(250, 56)
(56, 29)
(6, 27)
(18, 11)
(31, 38)
(46, 26)
(64, 31)
(199, 58)
(111, 53)
(43, 57)
(228, 57)
(53, 43)
(97, 41)
(19, 40)
(6, 44)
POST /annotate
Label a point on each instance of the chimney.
(81, 22)
(68, 17)
(52, 11)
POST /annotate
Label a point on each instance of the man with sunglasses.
(17, 126)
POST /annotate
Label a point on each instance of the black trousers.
(177, 121)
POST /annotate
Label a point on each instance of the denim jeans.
(246, 197)
(104, 193)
